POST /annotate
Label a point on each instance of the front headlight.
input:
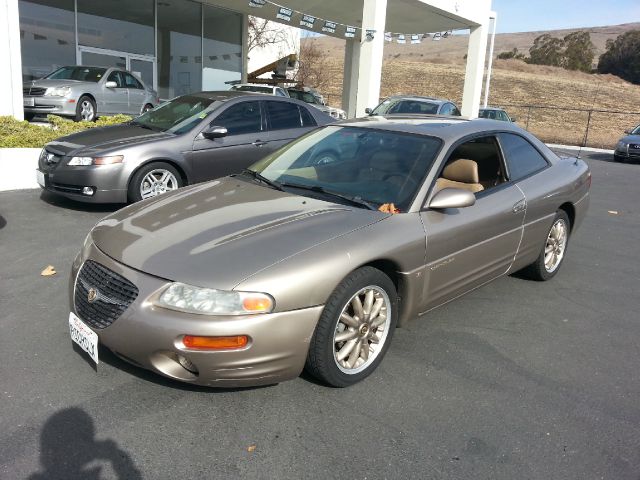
(57, 91)
(208, 301)
(76, 161)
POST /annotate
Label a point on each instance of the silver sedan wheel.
(556, 245)
(157, 182)
(87, 111)
(361, 330)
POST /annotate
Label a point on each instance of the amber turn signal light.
(215, 343)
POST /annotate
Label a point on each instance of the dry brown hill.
(439, 71)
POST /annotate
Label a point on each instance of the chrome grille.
(34, 91)
(113, 295)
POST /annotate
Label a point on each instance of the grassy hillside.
(514, 85)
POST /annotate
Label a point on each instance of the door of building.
(142, 66)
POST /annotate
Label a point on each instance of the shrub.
(17, 134)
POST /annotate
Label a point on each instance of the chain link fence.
(574, 126)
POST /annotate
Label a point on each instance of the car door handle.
(519, 206)
(259, 143)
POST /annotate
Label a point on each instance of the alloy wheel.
(361, 330)
(86, 111)
(157, 182)
(555, 246)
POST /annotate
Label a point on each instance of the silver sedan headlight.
(208, 301)
(57, 91)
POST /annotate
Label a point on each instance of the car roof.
(442, 126)
(254, 85)
(419, 98)
(492, 108)
(221, 95)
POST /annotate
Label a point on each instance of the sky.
(533, 15)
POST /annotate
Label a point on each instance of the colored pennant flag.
(329, 27)
(401, 39)
(257, 3)
(350, 32)
(284, 14)
(388, 37)
(307, 21)
(415, 39)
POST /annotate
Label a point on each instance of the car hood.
(631, 139)
(219, 233)
(45, 82)
(98, 140)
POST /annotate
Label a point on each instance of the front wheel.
(85, 109)
(152, 180)
(555, 246)
(355, 328)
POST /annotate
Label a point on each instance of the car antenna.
(584, 141)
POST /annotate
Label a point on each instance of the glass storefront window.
(47, 36)
(179, 48)
(117, 25)
(222, 48)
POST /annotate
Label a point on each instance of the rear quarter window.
(521, 157)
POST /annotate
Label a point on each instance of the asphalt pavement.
(516, 380)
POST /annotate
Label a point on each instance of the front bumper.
(630, 154)
(54, 105)
(109, 182)
(149, 336)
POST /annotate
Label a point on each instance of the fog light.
(88, 191)
(215, 343)
(187, 364)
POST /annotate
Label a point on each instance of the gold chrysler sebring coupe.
(313, 256)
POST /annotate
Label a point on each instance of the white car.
(261, 88)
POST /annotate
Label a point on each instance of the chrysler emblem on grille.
(92, 295)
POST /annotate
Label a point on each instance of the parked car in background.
(495, 113)
(628, 147)
(415, 105)
(84, 93)
(260, 88)
(300, 264)
(186, 140)
(311, 99)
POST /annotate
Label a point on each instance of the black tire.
(134, 189)
(617, 158)
(321, 361)
(537, 270)
(82, 106)
(29, 116)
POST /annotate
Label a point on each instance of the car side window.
(243, 117)
(283, 115)
(455, 111)
(116, 77)
(307, 118)
(522, 158)
(131, 81)
(280, 92)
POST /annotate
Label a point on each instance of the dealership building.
(183, 46)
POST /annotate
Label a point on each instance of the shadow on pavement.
(63, 202)
(69, 450)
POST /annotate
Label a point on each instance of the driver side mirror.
(628, 131)
(211, 133)
(452, 198)
(111, 84)
(368, 111)
(513, 119)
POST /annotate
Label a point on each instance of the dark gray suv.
(187, 140)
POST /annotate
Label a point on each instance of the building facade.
(177, 46)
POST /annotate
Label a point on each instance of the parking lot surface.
(518, 379)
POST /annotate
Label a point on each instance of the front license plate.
(86, 338)
(28, 102)
(41, 178)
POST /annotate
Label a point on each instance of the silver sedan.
(84, 93)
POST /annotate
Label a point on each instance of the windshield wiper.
(262, 179)
(317, 188)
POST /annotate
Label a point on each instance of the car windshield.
(252, 88)
(636, 131)
(391, 106)
(304, 96)
(84, 74)
(370, 166)
(176, 116)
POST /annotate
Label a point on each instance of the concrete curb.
(18, 167)
(583, 149)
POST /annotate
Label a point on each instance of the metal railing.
(574, 126)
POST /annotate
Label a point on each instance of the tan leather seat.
(461, 173)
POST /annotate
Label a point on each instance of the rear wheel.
(152, 180)
(555, 246)
(355, 329)
(85, 109)
(29, 116)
